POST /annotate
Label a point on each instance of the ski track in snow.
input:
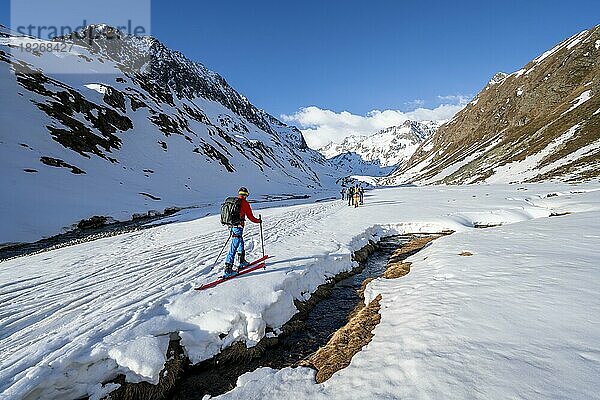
(74, 317)
(142, 269)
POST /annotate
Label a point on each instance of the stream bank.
(317, 336)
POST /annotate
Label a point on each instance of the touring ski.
(253, 266)
(263, 258)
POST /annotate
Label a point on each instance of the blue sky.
(364, 55)
(359, 56)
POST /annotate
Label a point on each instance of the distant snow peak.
(98, 31)
(381, 151)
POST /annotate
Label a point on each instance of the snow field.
(582, 98)
(517, 320)
(78, 316)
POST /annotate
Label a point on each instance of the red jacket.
(246, 211)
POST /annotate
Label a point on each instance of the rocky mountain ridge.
(539, 123)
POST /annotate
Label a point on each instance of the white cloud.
(459, 99)
(323, 126)
(415, 103)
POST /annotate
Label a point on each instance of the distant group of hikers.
(354, 194)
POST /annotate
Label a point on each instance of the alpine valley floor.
(518, 318)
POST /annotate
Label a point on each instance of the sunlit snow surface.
(583, 97)
(518, 319)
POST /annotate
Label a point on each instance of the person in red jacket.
(237, 242)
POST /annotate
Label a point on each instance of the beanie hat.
(243, 191)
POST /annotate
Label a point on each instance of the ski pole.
(225, 245)
(262, 240)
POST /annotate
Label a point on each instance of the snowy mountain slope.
(388, 147)
(132, 126)
(539, 123)
(107, 307)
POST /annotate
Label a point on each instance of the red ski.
(253, 263)
(253, 266)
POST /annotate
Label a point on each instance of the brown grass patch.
(412, 247)
(466, 254)
(358, 332)
(396, 270)
(397, 267)
(346, 342)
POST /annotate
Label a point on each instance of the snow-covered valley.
(504, 304)
(515, 319)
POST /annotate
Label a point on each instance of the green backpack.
(230, 211)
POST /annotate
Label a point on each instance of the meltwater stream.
(322, 321)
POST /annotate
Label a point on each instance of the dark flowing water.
(77, 236)
(310, 333)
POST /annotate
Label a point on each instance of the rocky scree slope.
(539, 123)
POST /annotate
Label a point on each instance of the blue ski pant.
(237, 244)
